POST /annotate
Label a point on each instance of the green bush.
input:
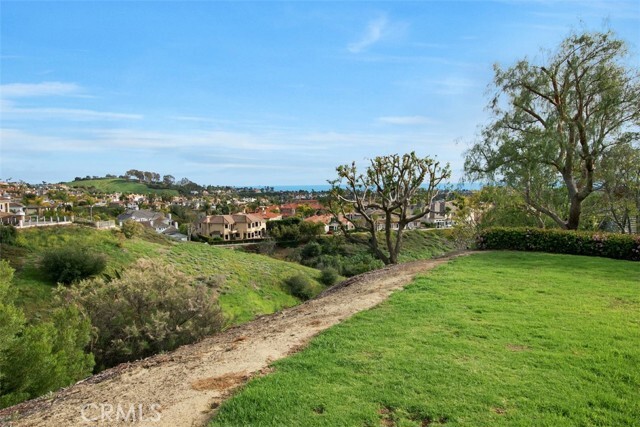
(8, 234)
(359, 263)
(290, 230)
(149, 308)
(40, 357)
(329, 276)
(609, 245)
(311, 249)
(131, 228)
(70, 264)
(300, 286)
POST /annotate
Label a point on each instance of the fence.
(35, 221)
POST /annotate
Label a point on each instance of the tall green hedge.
(609, 245)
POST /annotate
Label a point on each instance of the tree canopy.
(387, 196)
(555, 123)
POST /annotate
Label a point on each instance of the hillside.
(498, 338)
(187, 383)
(247, 285)
(118, 185)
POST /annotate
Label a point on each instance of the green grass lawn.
(497, 338)
(118, 185)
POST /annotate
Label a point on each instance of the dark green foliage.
(346, 258)
(40, 357)
(144, 310)
(311, 249)
(350, 259)
(329, 276)
(609, 245)
(8, 234)
(266, 246)
(131, 229)
(72, 263)
(300, 286)
(294, 229)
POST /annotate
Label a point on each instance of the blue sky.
(261, 93)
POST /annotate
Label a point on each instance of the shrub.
(300, 286)
(46, 356)
(360, 263)
(311, 249)
(131, 228)
(144, 310)
(8, 234)
(329, 276)
(609, 245)
(40, 357)
(69, 264)
(266, 246)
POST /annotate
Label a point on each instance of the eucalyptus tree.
(621, 187)
(392, 190)
(554, 123)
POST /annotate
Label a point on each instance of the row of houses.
(252, 226)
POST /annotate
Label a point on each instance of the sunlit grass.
(118, 185)
(491, 339)
(247, 285)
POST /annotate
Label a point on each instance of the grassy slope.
(248, 284)
(424, 244)
(492, 339)
(117, 185)
(34, 292)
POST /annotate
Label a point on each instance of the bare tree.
(399, 188)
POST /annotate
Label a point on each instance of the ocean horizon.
(326, 187)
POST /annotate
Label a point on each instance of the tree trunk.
(574, 214)
(394, 250)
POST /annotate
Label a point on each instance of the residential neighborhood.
(223, 214)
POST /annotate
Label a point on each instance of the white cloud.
(10, 109)
(71, 114)
(21, 90)
(18, 141)
(406, 120)
(375, 31)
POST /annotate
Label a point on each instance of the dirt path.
(183, 388)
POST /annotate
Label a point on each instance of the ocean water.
(327, 187)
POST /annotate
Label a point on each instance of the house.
(290, 209)
(151, 219)
(323, 219)
(250, 226)
(173, 233)
(441, 214)
(11, 212)
(269, 216)
(232, 227)
(141, 215)
(331, 223)
(269, 213)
